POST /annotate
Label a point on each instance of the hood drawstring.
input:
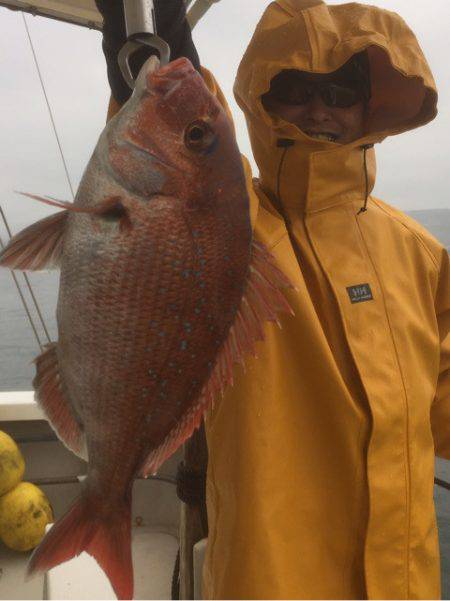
(363, 209)
(285, 143)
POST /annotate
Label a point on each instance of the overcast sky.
(413, 168)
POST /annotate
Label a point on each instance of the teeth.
(326, 137)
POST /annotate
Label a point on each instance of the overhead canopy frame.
(77, 12)
(85, 13)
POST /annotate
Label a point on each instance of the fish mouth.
(324, 136)
(167, 79)
(179, 66)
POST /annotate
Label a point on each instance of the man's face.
(306, 101)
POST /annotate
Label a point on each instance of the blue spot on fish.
(183, 345)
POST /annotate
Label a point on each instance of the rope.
(28, 283)
(25, 276)
(175, 586)
(48, 105)
(442, 483)
(24, 302)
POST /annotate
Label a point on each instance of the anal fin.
(262, 301)
(50, 398)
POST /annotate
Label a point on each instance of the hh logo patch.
(360, 293)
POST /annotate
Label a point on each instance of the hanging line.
(30, 289)
(24, 302)
(25, 276)
(5, 221)
(48, 106)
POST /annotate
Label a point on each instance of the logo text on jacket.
(360, 293)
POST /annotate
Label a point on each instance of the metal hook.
(140, 25)
(150, 40)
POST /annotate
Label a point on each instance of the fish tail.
(107, 539)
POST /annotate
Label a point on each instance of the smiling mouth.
(323, 135)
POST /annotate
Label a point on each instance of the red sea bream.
(162, 289)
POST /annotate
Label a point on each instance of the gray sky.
(412, 168)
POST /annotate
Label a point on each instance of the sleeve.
(172, 26)
(440, 410)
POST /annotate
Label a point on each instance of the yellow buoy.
(24, 513)
(12, 465)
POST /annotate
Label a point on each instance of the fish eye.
(199, 136)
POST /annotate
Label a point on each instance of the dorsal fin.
(261, 302)
(38, 246)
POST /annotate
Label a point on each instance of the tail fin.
(108, 540)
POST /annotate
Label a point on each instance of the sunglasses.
(296, 91)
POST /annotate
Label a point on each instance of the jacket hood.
(312, 36)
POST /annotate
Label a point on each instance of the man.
(330, 106)
(321, 457)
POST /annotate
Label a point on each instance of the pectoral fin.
(38, 246)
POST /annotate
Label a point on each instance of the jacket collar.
(308, 175)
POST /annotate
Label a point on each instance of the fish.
(163, 290)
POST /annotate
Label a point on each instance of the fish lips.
(163, 80)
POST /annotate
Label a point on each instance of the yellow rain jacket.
(321, 458)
